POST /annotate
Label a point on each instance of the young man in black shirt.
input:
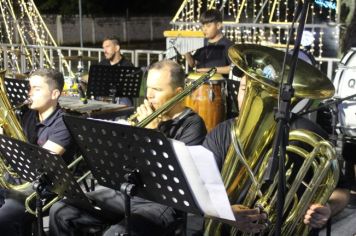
(214, 52)
(43, 125)
(165, 79)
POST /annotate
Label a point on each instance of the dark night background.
(125, 8)
(110, 7)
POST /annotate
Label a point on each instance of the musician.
(165, 79)
(214, 53)
(113, 57)
(218, 141)
(43, 126)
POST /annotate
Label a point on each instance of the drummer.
(214, 53)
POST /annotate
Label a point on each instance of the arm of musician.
(248, 220)
(54, 147)
(190, 59)
(219, 70)
(317, 215)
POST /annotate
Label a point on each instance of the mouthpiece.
(28, 101)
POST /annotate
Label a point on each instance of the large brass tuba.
(12, 128)
(312, 173)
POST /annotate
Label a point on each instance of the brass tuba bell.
(252, 134)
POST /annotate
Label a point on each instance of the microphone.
(176, 51)
(82, 96)
(179, 56)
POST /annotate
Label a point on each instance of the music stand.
(16, 90)
(47, 170)
(114, 81)
(135, 161)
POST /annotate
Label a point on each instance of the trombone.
(164, 108)
(57, 198)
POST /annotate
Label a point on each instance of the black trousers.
(147, 218)
(14, 221)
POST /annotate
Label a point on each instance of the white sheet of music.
(204, 178)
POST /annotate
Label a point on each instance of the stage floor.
(344, 224)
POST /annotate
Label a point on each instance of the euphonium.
(312, 170)
(12, 128)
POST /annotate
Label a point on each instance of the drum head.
(216, 78)
(345, 85)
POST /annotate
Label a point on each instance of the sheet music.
(204, 178)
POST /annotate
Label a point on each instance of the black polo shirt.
(219, 140)
(188, 128)
(122, 62)
(52, 128)
(213, 54)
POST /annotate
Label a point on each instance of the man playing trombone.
(165, 80)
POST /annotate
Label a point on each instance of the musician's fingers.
(148, 105)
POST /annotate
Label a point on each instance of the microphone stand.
(81, 91)
(282, 117)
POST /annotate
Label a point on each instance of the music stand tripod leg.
(41, 185)
(129, 190)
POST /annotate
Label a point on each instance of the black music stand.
(48, 172)
(16, 90)
(114, 81)
(136, 161)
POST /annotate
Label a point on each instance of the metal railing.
(140, 58)
(12, 53)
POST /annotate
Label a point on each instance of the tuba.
(12, 128)
(311, 167)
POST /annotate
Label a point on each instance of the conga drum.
(208, 100)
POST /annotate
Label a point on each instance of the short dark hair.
(176, 71)
(53, 77)
(211, 15)
(114, 39)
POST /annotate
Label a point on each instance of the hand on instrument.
(145, 110)
(317, 215)
(249, 220)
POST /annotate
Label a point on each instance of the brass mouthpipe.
(28, 101)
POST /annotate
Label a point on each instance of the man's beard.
(110, 58)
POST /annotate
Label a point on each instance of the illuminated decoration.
(22, 27)
(307, 38)
(326, 4)
(265, 22)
